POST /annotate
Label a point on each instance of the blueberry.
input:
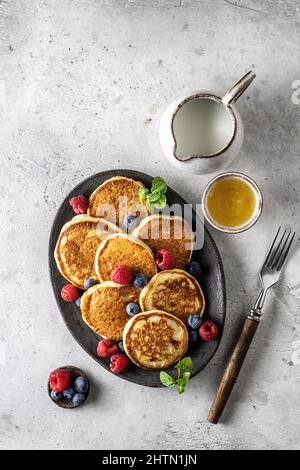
(81, 385)
(78, 301)
(121, 346)
(194, 269)
(193, 336)
(89, 283)
(55, 395)
(129, 221)
(69, 393)
(194, 321)
(78, 399)
(132, 309)
(140, 281)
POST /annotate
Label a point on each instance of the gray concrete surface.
(82, 87)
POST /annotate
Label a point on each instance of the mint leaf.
(185, 364)
(155, 196)
(158, 184)
(166, 379)
(142, 193)
(186, 377)
(161, 202)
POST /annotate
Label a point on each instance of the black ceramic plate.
(212, 283)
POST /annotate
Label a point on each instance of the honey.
(231, 202)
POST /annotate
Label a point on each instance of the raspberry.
(69, 293)
(118, 362)
(59, 380)
(121, 275)
(165, 259)
(79, 204)
(107, 348)
(208, 330)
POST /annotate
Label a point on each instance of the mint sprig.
(166, 379)
(184, 366)
(155, 197)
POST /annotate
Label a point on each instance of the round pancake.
(124, 249)
(155, 339)
(76, 247)
(170, 232)
(103, 308)
(105, 200)
(174, 291)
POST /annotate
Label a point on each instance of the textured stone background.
(82, 87)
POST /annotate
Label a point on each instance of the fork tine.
(270, 251)
(281, 246)
(276, 250)
(284, 255)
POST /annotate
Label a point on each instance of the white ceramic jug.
(202, 133)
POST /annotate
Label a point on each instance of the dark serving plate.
(212, 283)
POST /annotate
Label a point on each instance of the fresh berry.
(193, 335)
(79, 204)
(194, 321)
(89, 283)
(165, 259)
(194, 268)
(78, 399)
(69, 293)
(78, 301)
(208, 331)
(140, 281)
(56, 396)
(81, 384)
(121, 346)
(69, 393)
(132, 309)
(59, 380)
(121, 275)
(130, 221)
(106, 348)
(118, 362)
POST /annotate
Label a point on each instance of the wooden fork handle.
(232, 370)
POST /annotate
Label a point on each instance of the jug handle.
(238, 88)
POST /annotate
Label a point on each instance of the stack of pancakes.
(92, 245)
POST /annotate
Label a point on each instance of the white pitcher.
(202, 133)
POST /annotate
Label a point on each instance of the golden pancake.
(155, 339)
(170, 232)
(173, 291)
(115, 198)
(76, 247)
(103, 308)
(124, 249)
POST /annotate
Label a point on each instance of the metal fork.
(272, 267)
(269, 275)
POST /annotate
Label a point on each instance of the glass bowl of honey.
(232, 202)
